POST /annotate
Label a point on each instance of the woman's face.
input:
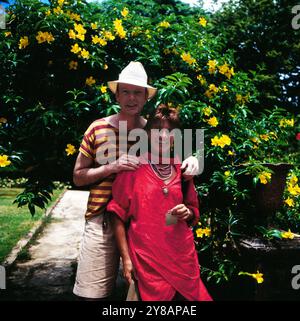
(161, 138)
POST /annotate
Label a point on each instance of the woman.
(158, 246)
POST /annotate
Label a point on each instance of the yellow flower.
(264, 137)
(239, 98)
(212, 63)
(188, 58)
(70, 150)
(23, 43)
(202, 22)
(164, 24)
(212, 66)
(201, 79)
(79, 28)
(80, 36)
(90, 81)
(287, 235)
(4, 161)
(44, 36)
(226, 70)
(286, 122)
(124, 12)
(95, 39)
(85, 54)
(200, 232)
(60, 2)
(264, 177)
(58, 10)
(72, 34)
(274, 135)
(213, 121)
(230, 153)
(108, 35)
(293, 180)
(290, 202)
(207, 111)
(119, 28)
(94, 25)
(257, 276)
(3, 120)
(7, 34)
(103, 89)
(211, 91)
(212, 88)
(223, 69)
(229, 73)
(227, 173)
(73, 16)
(225, 89)
(105, 66)
(73, 65)
(224, 140)
(221, 141)
(294, 189)
(75, 48)
(290, 122)
(242, 99)
(101, 41)
(48, 13)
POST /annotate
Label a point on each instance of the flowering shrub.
(56, 61)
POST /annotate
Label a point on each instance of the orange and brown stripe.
(99, 139)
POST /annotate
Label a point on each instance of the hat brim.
(113, 87)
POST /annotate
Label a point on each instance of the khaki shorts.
(98, 261)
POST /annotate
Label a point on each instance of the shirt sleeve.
(122, 190)
(87, 147)
(191, 200)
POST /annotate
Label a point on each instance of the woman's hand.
(127, 270)
(182, 212)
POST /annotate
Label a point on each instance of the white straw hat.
(133, 74)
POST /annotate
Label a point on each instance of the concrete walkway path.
(49, 274)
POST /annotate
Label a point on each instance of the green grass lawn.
(16, 222)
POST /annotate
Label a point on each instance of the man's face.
(131, 98)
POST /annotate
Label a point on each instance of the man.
(99, 259)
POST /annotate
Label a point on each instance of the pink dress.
(164, 257)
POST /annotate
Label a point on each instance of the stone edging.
(23, 242)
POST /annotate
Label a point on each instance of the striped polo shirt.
(101, 144)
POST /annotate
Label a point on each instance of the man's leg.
(98, 261)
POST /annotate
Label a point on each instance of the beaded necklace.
(164, 172)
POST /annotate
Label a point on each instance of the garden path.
(49, 274)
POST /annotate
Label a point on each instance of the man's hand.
(190, 167)
(182, 212)
(125, 163)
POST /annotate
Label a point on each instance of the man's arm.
(190, 167)
(85, 174)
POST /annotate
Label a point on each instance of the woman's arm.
(120, 234)
(189, 210)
